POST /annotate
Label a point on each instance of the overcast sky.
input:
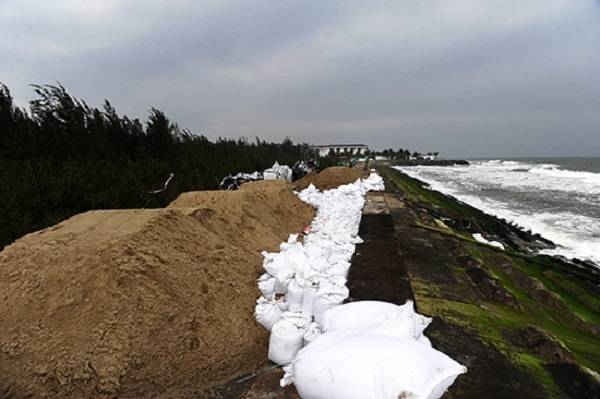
(467, 78)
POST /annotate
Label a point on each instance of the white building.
(423, 157)
(350, 149)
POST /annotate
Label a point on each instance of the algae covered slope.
(521, 322)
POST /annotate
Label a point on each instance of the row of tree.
(402, 154)
(61, 157)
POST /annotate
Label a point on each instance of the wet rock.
(537, 341)
(491, 374)
(490, 288)
(468, 261)
(575, 381)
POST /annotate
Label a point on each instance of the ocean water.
(559, 198)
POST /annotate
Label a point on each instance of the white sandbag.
(292, 238)
(423, 340)
(298, 319)
(269, 175)
(290, 261)
(278, 172)
(281, 286)
(333, 285)
(312, 332)
(421, 323)
(374, 182)
(285, 264)
(281, 302)
(340, 268)
(294, 296)
(267, 312)
(320, 306)
(287, 338)
(266, 285)
(323, 303)
(332, 292)
(410, 325)
(342, 365)
(308, 299)
(364, 315)
(277, 265)
(357, 240)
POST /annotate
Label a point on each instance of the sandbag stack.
(331, 350)
(278, 172)
(372, 349)
(305, 279)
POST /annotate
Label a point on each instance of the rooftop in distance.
(357, 149)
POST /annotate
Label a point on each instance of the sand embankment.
(142, 303)
(330, 178)
(139, 303)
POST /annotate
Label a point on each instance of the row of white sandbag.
(303, 280)
(357, 350)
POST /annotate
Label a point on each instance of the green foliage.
(400, 155)
(62, 157)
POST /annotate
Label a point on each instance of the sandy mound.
(141, 303)
(330, 178)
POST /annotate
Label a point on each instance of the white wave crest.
(577, 235)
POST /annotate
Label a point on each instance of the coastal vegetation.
(61, 157)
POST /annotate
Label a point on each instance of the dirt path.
(377, 272)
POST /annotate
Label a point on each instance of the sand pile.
(141, 303)
(330, 178)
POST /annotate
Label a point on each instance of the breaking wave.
(561, 205)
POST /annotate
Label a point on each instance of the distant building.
(350, 149)
(423, 157)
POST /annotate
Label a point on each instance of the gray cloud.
(465, 78)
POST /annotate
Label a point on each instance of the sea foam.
(560, 205)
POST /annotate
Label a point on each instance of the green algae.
(571, 318)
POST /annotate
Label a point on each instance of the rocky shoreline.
(526, 325)
(470, 220)
(435, 162)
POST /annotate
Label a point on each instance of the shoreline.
(525, 242)
(436, 162)
(550, 246)
(534, 318)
